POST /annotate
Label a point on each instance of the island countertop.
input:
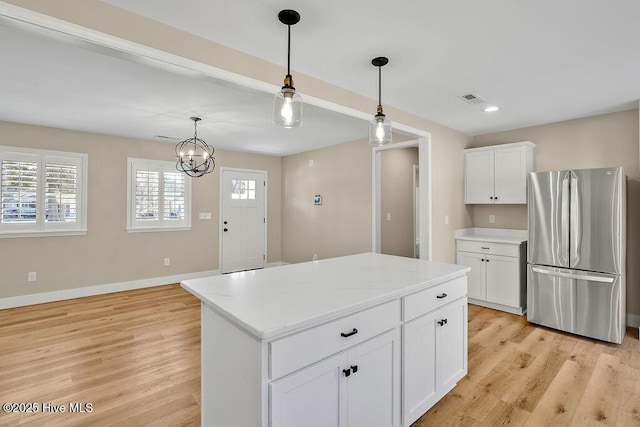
(276, 301)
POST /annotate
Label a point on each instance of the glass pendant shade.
(380, 131)
(287, 108)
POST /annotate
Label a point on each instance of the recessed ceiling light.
(491, 109)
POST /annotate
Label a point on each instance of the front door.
(243, 220)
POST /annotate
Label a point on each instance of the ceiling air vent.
(473, 99)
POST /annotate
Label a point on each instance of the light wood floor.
(135, 356)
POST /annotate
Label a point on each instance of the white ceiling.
(50, 79)
(540, 61)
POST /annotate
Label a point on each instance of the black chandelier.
(195, 157)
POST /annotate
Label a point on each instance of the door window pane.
(243, 189)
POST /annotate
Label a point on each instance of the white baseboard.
(276, 264)
(86, 291)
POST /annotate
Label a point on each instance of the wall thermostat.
(317, 199)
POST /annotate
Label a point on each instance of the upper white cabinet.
(498, 174)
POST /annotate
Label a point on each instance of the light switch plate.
(492, 219)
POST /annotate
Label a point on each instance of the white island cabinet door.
(434, 357)
(419, 366)
(451, 342)
(373, 386)
(312, 397)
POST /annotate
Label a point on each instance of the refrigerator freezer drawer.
(551, 299)
(585, 303)
(600, 312)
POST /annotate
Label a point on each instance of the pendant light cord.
(379, 85)
(289, 50)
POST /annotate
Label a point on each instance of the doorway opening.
(420, 205)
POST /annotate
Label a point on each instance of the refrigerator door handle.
(574, 276)
(564, 221)
(575, 222)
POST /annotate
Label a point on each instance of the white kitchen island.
(362, 340)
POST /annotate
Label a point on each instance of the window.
(159, 197)
(42, 193)
(243, 189)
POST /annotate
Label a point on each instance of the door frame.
(220, 210)
(425, 221)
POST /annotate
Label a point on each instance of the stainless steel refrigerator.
(576, 252)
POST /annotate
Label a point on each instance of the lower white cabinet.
(434, 357)
(358, 387)
(497, 278)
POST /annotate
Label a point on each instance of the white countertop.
(495, 235)
(279, 300)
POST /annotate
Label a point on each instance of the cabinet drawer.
(504, 249)
(422, 302)
(296, 351)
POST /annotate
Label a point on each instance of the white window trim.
(134, 226)
(82, 159)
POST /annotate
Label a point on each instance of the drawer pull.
(485, 247)
(346, 372)
(354, 368)
(442, 295)
(442, 322)
(348, 334)
(482, 259)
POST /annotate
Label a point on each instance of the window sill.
(156, 229)
(40, 233)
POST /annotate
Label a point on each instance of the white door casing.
(243, 224)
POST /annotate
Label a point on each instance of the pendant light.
(287, 104)
(379, 126)
(195, 157)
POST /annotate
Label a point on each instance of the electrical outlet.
(446, 219)
(310, 162)
(167, 262)
(32, 276)
(492, 219)
(388, 217)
